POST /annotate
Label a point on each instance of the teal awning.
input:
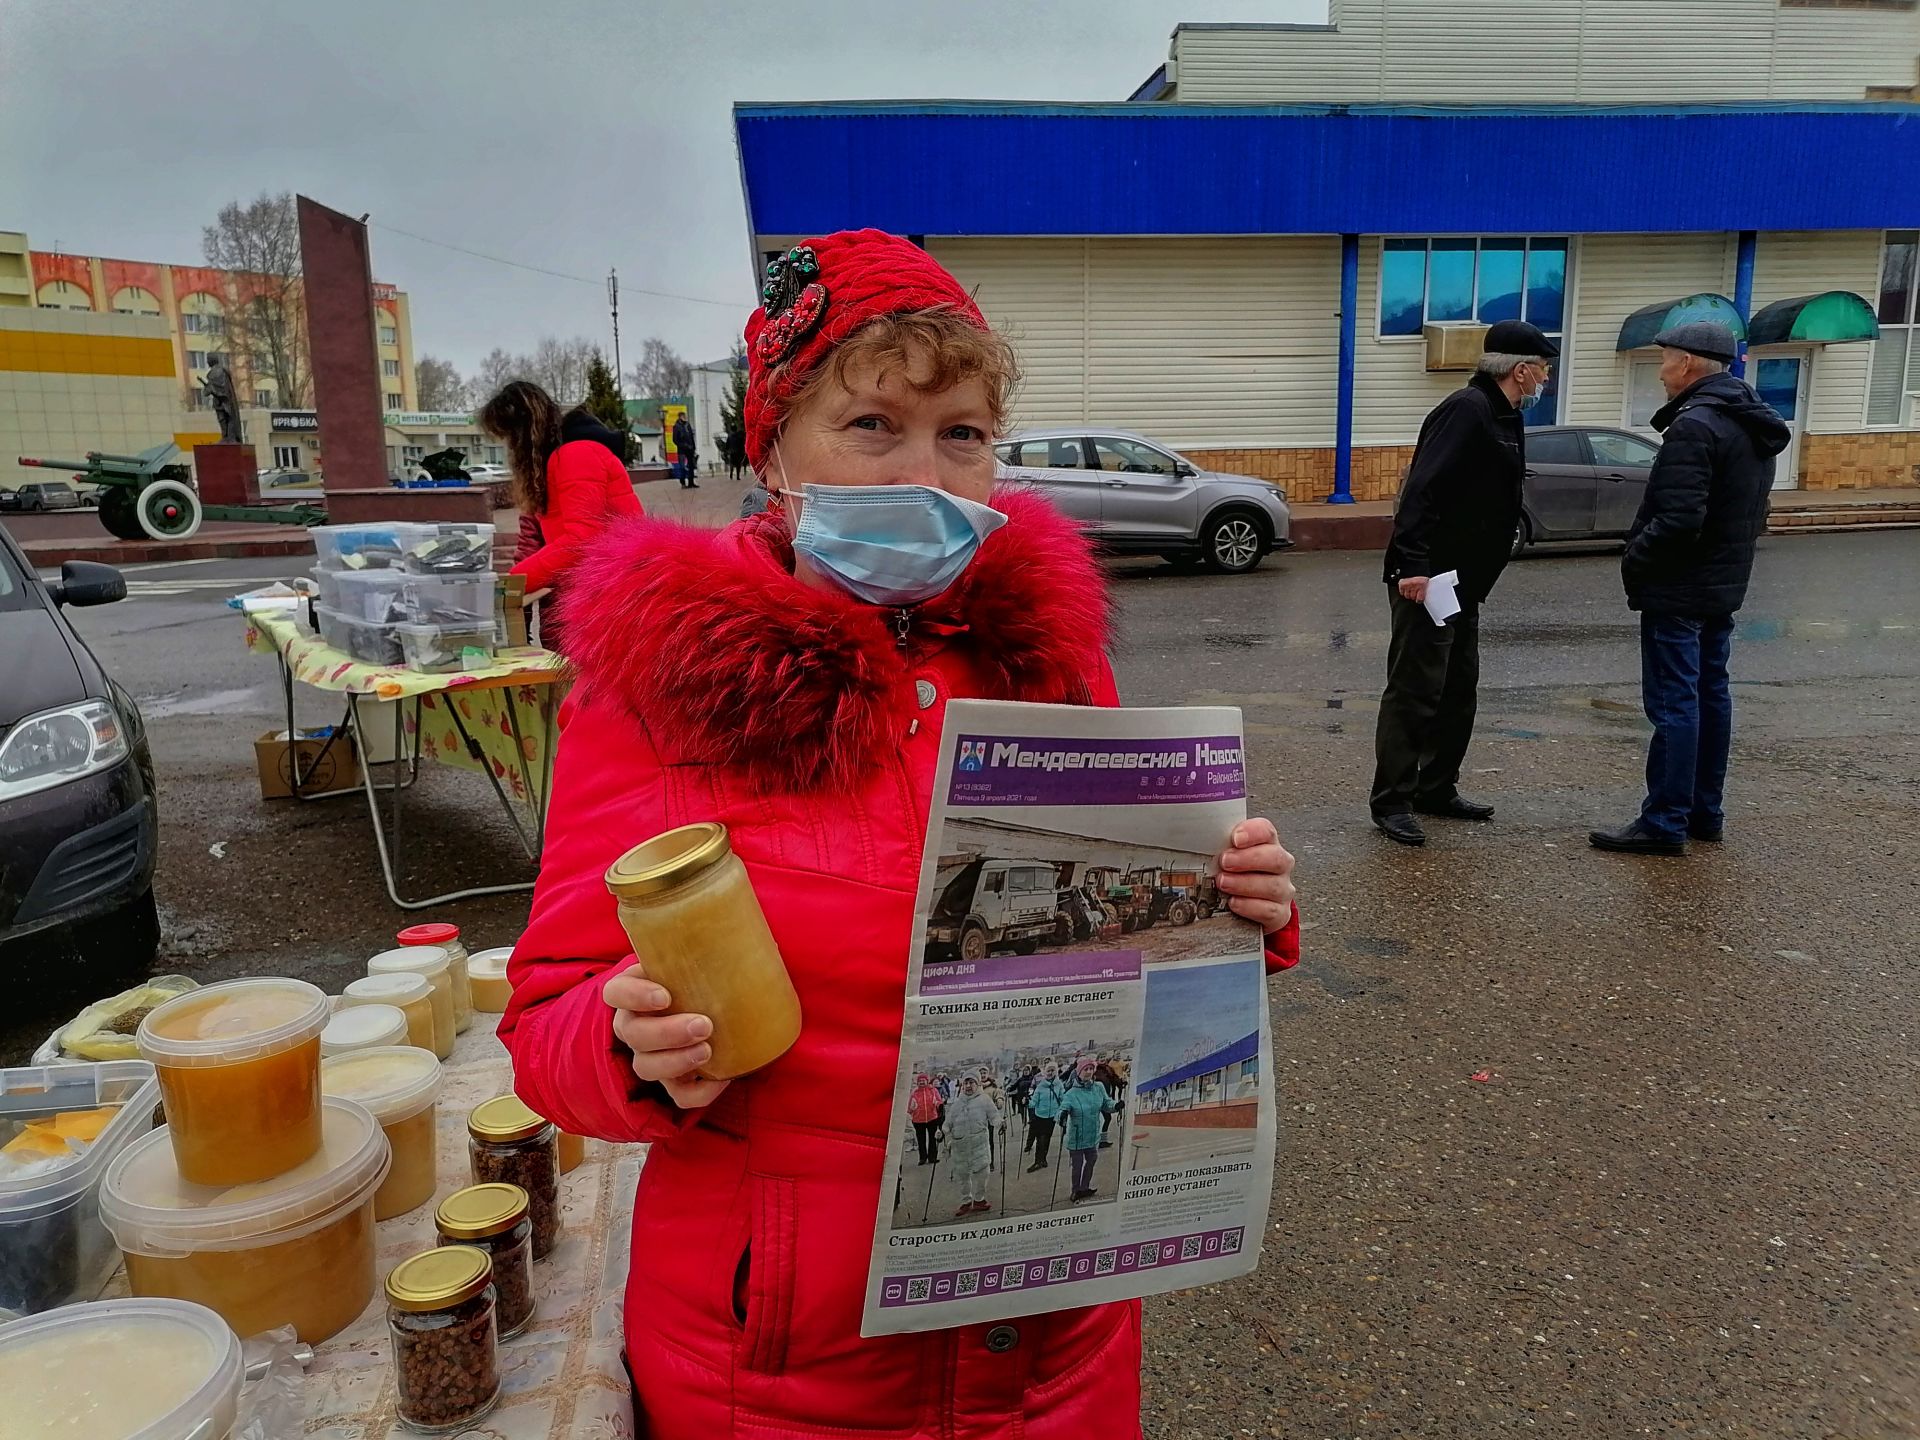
(1641, 326)
(1830, 319)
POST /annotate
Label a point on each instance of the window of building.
(193, 324)
(1896, 358)
(413, 454)
(1485, 280)
(389, 335)
(390, 368)
(286, 457)
(196, 359)
(1477, 280)
(394, 403)
(263, 398)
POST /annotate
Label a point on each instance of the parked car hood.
(42, 670)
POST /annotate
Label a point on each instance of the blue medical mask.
(1527, 402)
(893, 545)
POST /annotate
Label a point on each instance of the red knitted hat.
(816, 295)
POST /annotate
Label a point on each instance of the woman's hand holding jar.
(668, 1048)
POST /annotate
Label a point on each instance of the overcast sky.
(573, 136)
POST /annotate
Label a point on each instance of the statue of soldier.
(218, 384)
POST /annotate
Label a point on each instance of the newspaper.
(1084, 1105)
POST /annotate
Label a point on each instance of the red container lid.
(438, 933)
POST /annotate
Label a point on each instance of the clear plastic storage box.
(447, 646)
(53, 1248)
(367, 640)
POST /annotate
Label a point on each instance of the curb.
(148, 552)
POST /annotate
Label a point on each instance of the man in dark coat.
(683, 444)
(1459, 509)
(1689, 557)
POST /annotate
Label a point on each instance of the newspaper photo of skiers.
(1014, 1132)
(1084, 1099)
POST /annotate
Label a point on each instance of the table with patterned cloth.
(501, 720)
(563, 1377)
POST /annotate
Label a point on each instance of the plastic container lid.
(360, 1027)
(490, 964)
(409, 959)
(397, 988)
(438, 932)
(130, 1084)
(152, 1211)
(123, 1370)
(239, 1020)
(393, 1082)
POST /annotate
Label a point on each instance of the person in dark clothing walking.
(683, 444)
(1689, 558)
(1459, 508)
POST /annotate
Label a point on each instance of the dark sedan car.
(1583, 483)
(78, 823)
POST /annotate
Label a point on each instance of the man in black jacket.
(1689, 556)
(1459, 509)
(683, 444)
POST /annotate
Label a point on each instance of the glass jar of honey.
(239, 1072)
(362, 1027)
(430, 961)
(447, 937)
(690, 912)
(400, 1087)
(487, 977)
(411, 994)
(508, 1144)
(441, 1312)
(499, 1220)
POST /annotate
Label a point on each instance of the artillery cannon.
(150, 496)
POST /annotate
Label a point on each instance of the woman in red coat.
(787, 677)
(568, 483)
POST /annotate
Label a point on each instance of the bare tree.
(660, 372)
(266, 323)
(439, 384)
(560, 367)
(496, 369)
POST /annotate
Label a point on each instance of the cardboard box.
(324, 768)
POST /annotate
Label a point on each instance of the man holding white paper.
(1452, 536)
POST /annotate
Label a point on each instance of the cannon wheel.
(117, 514)
(167, 510)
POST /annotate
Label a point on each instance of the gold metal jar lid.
(480, 1211)
(439, 1279)
(505, 1117)
(668, 860)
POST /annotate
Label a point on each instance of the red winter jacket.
(586, 488)
(714, 685)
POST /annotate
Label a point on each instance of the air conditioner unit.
(1454, 347)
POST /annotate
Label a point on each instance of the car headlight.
(1279, 490)
(60, 745)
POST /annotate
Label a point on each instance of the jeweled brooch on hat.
(795, 302)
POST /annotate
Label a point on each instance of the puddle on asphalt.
(213, 702)
(1759, 629)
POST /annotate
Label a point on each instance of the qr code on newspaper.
(1059, 1269)
(919, 1287)
(1103, 1263)
(967, 1284)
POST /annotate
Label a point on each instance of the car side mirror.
(1184, 470)
(84, 582)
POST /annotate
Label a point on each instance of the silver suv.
(1137, 497)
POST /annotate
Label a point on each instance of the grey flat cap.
(1708, 339)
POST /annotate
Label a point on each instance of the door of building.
(1783, 380)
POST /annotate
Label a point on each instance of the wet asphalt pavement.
(1573, 1145)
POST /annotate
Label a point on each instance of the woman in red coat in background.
(568, 484)
(787, 677)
